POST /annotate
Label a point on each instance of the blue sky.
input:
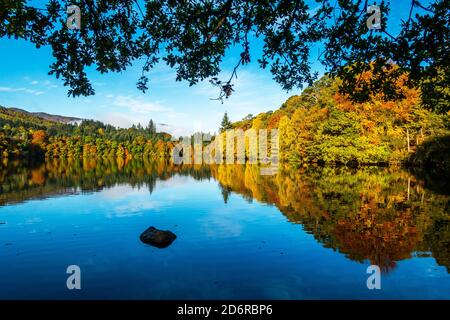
(24, 83)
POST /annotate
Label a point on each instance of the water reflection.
(381, 215)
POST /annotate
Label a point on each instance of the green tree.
(23, 135)
(151, 128)
(226, 123)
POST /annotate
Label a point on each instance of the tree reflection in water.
(382, 215)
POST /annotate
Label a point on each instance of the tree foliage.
(193, 36)
(30, 137)
(225, 124)
(323, 125)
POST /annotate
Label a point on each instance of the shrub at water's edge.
(435, 152)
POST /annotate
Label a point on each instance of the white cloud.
(6, 89)
(118, 119)
(134, 208)
(29, 91)
(125, 120)
(46, 84)
(137, 105)
(254, 93)
(129, 110)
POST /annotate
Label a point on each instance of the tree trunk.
(409, 187)
(407, 139)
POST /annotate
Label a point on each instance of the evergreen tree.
(226, 123)
(151, 128)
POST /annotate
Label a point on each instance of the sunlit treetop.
(192, 37)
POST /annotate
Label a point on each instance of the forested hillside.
(323, 126)
(47, 116)
(24, 135)
(319, 126)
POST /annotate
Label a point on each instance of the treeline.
(323, 126)
(30, 137)
(319, 126)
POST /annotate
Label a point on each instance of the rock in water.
(157, 238)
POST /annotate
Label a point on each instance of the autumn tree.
(23, 135)
(39, 137)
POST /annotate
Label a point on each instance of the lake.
(304, 233)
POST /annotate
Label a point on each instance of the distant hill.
(47, 116)
(15, 117)
(36, 136)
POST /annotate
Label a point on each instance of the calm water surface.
(302, 234)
